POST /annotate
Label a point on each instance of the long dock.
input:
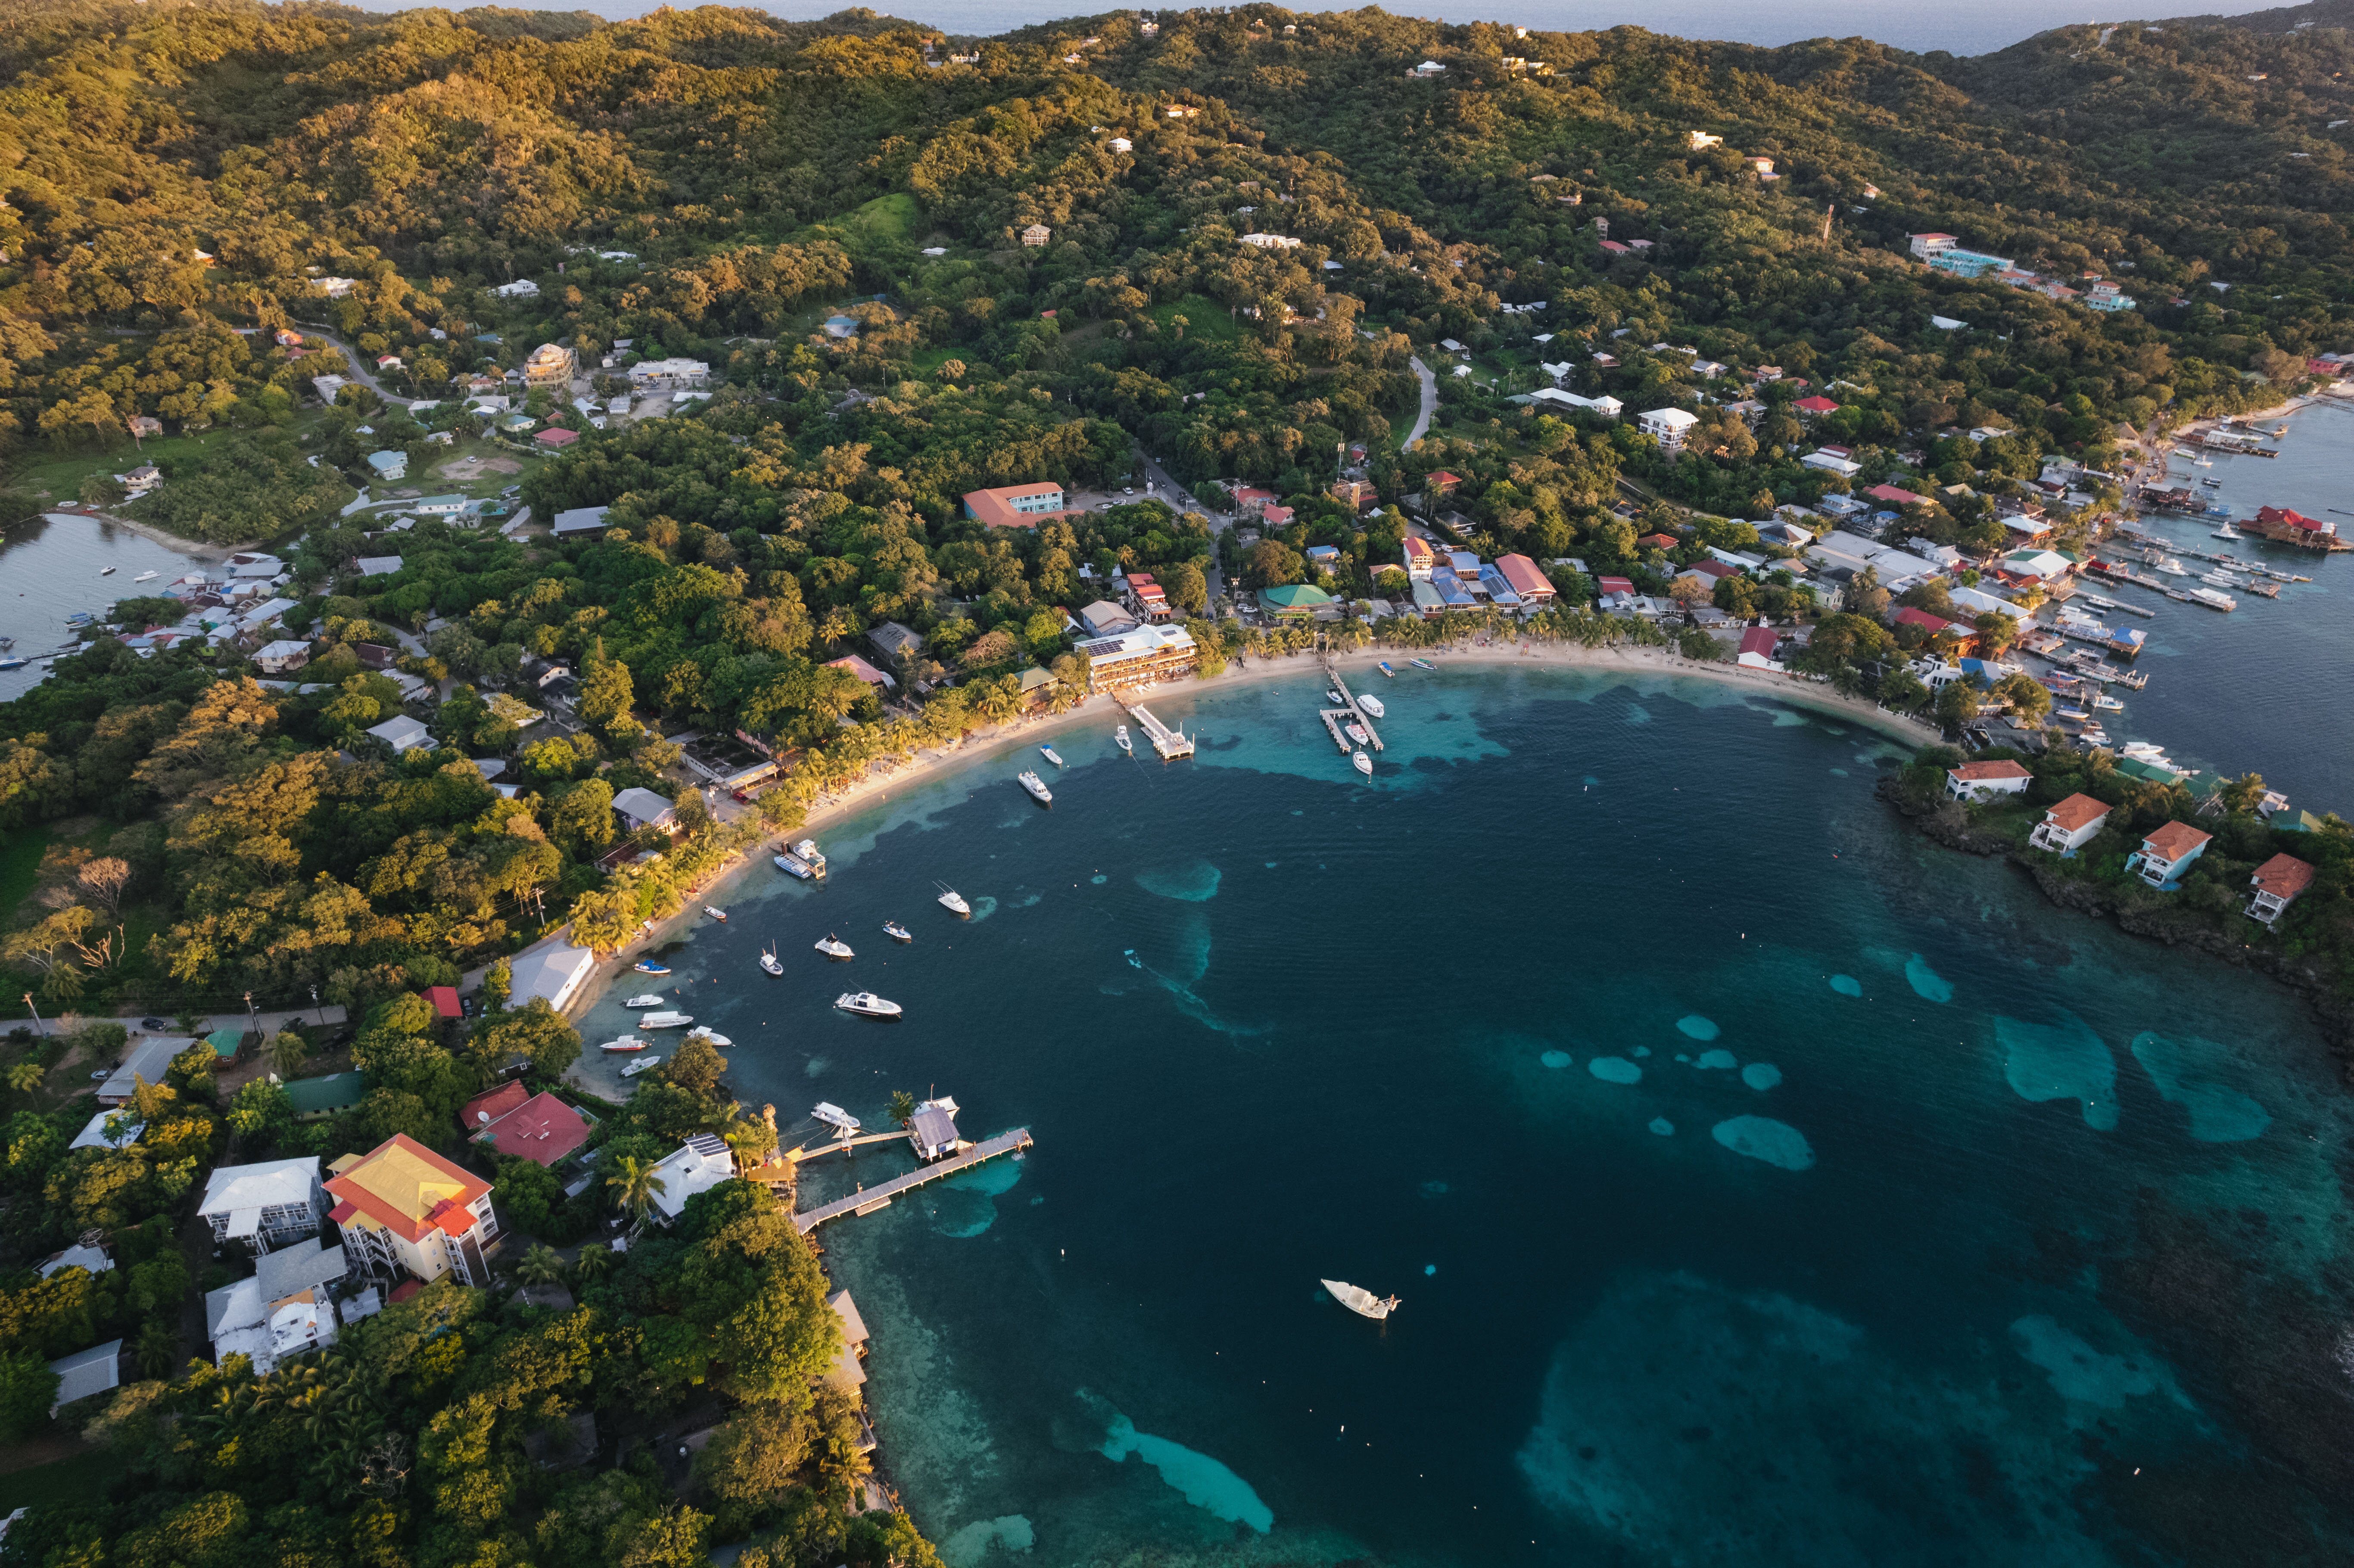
(880, 1196)
(1334, 717)
(1170, 744)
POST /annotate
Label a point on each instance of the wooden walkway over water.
(868, 1200)
(1170, 744)
(1349, 712)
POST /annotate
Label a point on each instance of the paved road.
(1429, 401)
(359, 371)
(1177, 495)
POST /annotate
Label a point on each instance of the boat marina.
(1170, 744)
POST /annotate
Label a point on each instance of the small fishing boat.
(2202, 462)
(1384, 668)
(1356, 732)
(810, 855)
(1332, 695)
(951, 900)
(704, 1032)
(1120, 738)
(643, 1063)
(146, 577)
(2228, 532)
(718, 915)
(2171, 567)
(2074, 715)
(1048, 753)
(648, 966)
(14, 664)
(867, 1004)
(793, 865)
(2108, 704)
(1363, 764)
(1037, 787)
(1422, 663)
(647, 999)
(665, 1020)
(1373, 707)
(769, 961)
(833, 947)
(2219, 579)
(897, 932)
(623, 1044)
(108, 571)
(2213, 484)
(1359, 1300)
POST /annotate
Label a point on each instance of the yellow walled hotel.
(404, 1210)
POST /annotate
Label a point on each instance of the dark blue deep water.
(1763, 1185)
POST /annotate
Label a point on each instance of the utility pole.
(314, 1002)
(251, 1014)
(39, 1028)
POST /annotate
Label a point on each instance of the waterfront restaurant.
(1137, 657)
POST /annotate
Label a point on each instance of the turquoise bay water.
(1762, 1185)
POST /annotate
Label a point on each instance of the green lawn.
(1205, 317)
(20, 866)
(885, 221)
(61, 474)
(75, 1480)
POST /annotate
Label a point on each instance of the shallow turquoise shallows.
(1916, 1267)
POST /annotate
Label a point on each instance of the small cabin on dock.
(932, 1129)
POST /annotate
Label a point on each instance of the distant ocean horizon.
(1979, 29)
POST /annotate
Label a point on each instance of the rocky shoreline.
(1947, 825)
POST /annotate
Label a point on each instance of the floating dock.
(1348, 713)
(880, 1196)
(1171, 744)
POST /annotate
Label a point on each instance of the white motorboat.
(810, 855)
(897, 932)
(2202, 462)
(1384, 668)
(951, 900)
(718, 915)
(2219, 579)
(665, 1020)
(1363, 764)
(706, 1033)
(2171, 567)
(1359, 1300)
(2108, 704)
(1037, 787)
(1373, 707)
(2228, 532)
(108, 571)
(1356, 732)
(146, 577)
(643, 1064)
(833, 947)
(648, 966)
(1120, 738)
(1048, 753)
(1333, 695)
(793, 865)
(623, 1043)
(769, 961)
(867, 1004)
(648, 999)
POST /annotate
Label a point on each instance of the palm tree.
(635, 1185)
(903, 1107)
(26, 1076)
(593, 1262)
(543, 1265)
(288, 1051)
(158, 1349)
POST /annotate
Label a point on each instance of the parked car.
(153, 1025)
(101, 1074)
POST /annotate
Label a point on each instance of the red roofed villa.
(405, 1209)
(2167, 854)
(1757, 648)
(2277, 883)
(556, 437)
(1978, 780)
(513, 1120)
(1521, 573)
(444, 998)
(2069, 825)
(1817, 404)
(1014, 506)
(851, 665)
(1896, 497)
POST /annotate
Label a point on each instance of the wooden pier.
(1170, 744)
(1348, 713)
(880, 1196)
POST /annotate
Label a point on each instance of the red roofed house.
(850, 663)
(1438, 482)
(444, 998)
(2277, 883)
(2167, 852)
(1658, 541)
(1150, 597)
(2291, 527)
(1419, 558)
(1966, 637)
(1014, 506)
(2069, 825)
(1817, 406)
(1978, 781)
(513, 1120)
(405, 1209)
(1894, 496)
(1525, 580)
(556, 437)
(1757, 648)
(1614, 585)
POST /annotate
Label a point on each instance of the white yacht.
(2171, 567)
(718, 915)
(793, 865)
(146, 577)
(2228, 532)
(648, 999)
(951, 900)
(1048, 753)
(2212, 599)
(807, 851)
(769, 961)
(623, 1043)
(1363, 764)
(1037, 787)
(1372, 705)
(665, 1020)
(867, 1004)
(2108, 704)
(1359, 1300)
(641, 1064)
(897, 932)
(704, 1032)
(1120, 738)
(833, 947)
(1356, 732)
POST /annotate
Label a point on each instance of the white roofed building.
(698, 1165)
(284, 1309)
(1668, 426)
(272, 1204)
(557, 972)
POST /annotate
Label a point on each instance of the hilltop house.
(2069, 825)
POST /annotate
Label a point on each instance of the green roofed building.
(2148, 772)
(317, 1097)
(1293, 599)
(225, 1042)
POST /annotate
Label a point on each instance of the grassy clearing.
(20, 864)
(72, 1481)
(884, 222)
(1205, 317)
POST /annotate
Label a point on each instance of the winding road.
(1430, 402)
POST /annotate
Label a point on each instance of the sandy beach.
(1643, 662)
(163, 536)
